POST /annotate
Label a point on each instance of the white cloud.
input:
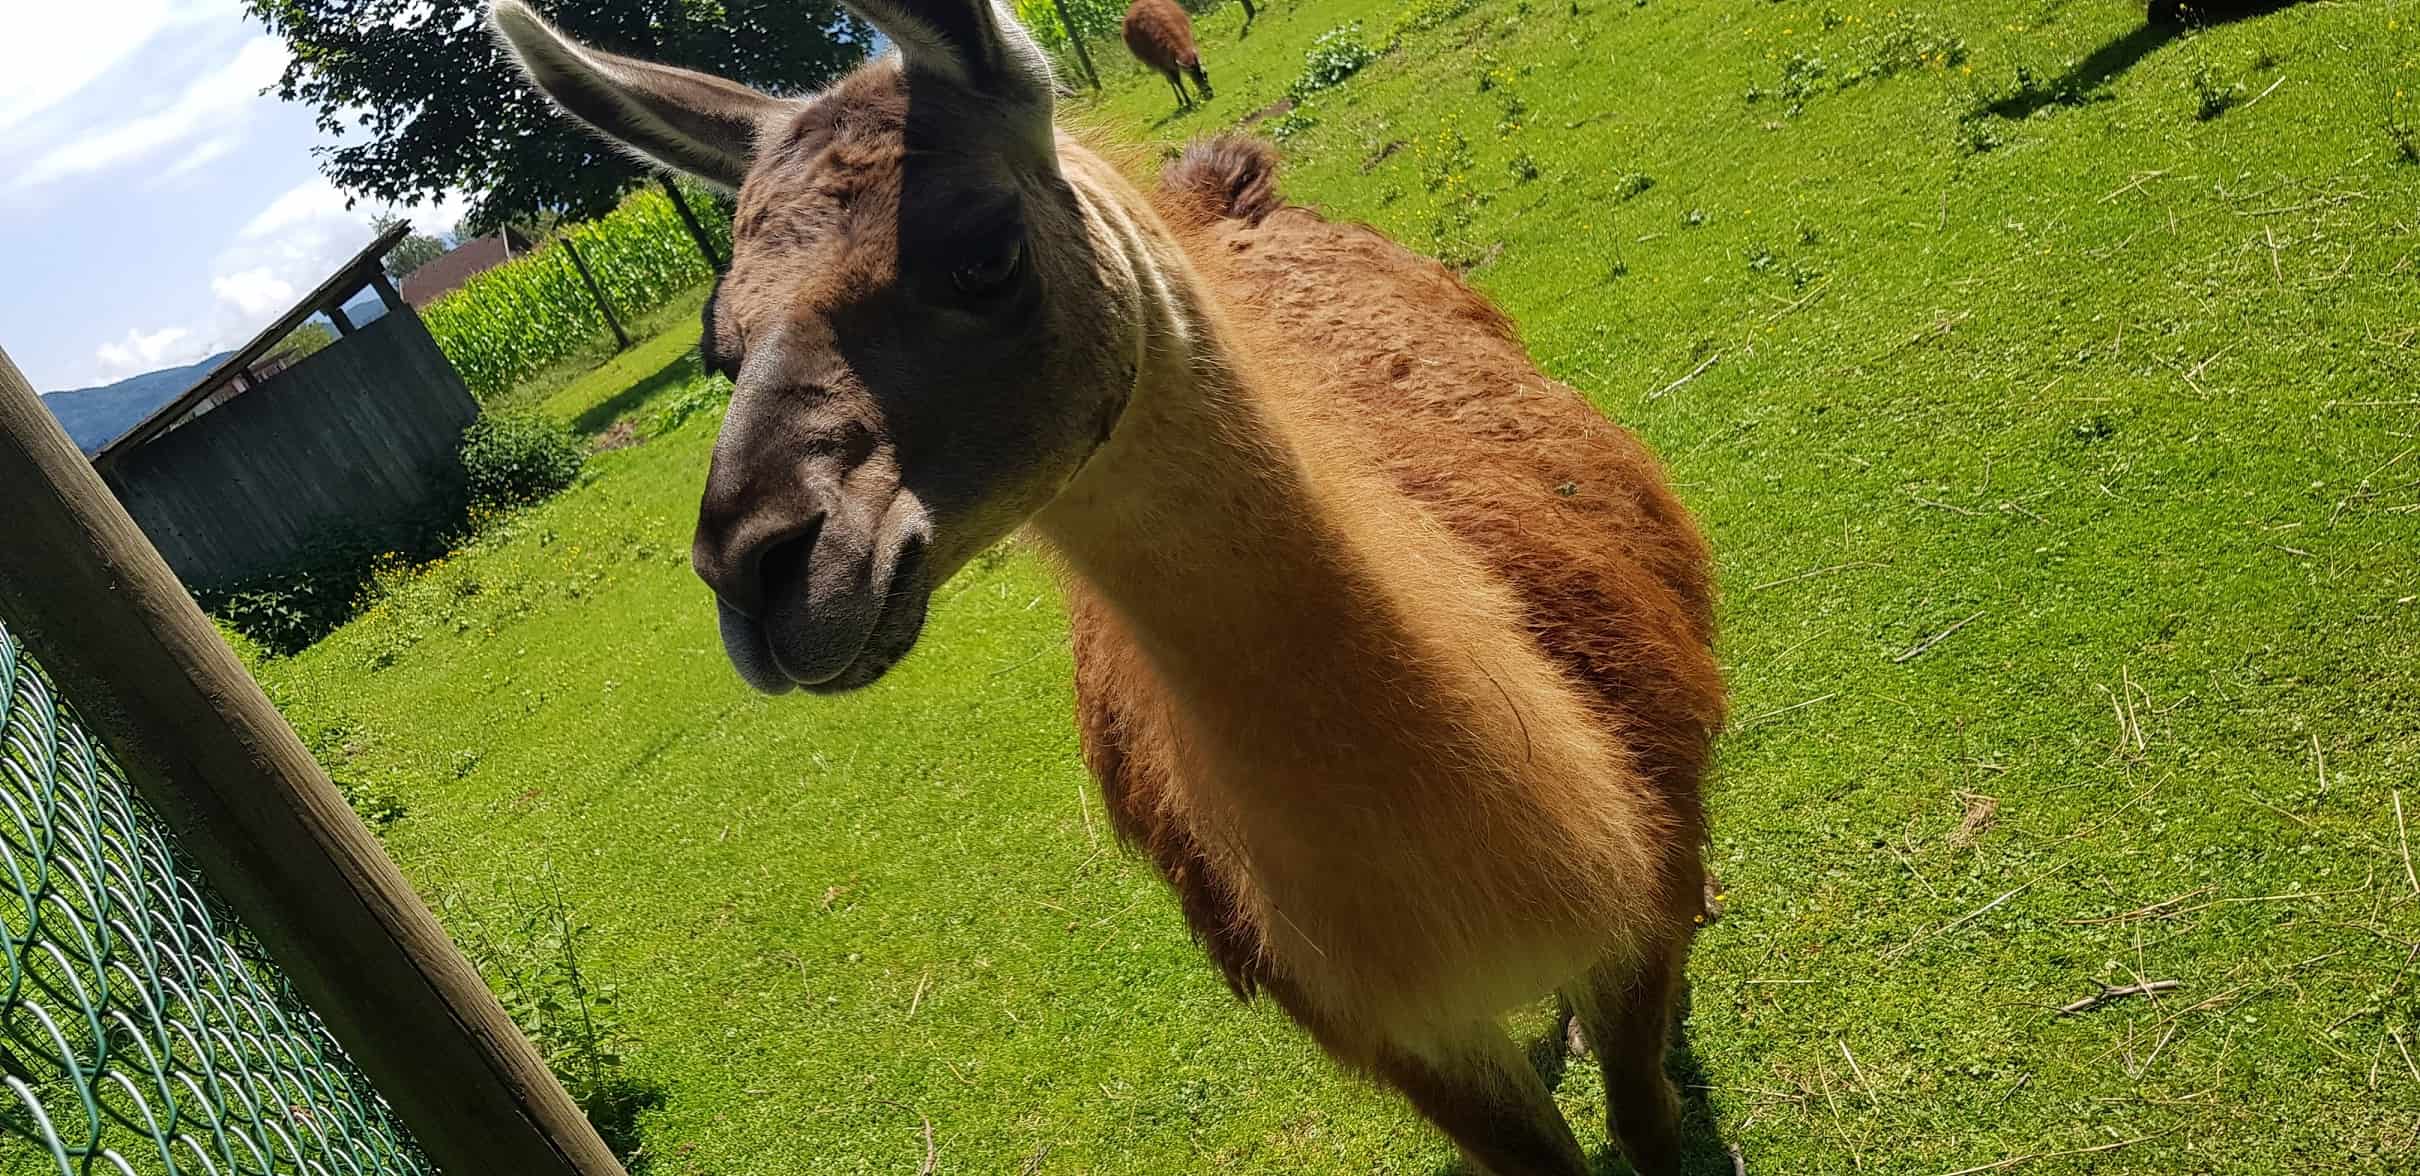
(316, 202)
(255, 293)
(295, 241)
(438, 217)
(288, 247)
(313, 200)
(55, 50)
(143, 351)
(206, 153)
(212, 103)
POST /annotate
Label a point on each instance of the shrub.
(514, 459)
(1339, 53)
(285, 610)
(1291, 123)
(709, 394)
(1976, 134)
(281, 615)
(2212, 95)
(529, 947)
(507, 323)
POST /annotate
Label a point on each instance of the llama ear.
(977, 44)
(689, 121)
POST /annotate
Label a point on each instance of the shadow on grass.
(1179, 114)
(2169, 21)
(613, 1104)
(1704, 1152)
(679, 370)
(1703, 1149)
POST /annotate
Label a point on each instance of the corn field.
(507, 323)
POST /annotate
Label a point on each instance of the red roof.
(440, 275)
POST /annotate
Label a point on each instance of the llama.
(1160, 35)
(1391, 654)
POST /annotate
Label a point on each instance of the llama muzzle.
(815, 552)
(839, 607)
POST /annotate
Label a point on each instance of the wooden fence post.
(697, 232)
(621, 338)
(1075, 37)
(84, 590)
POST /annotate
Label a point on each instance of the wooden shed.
(241, 476)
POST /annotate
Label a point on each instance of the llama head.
(925, 335)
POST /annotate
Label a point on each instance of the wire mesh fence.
(142, 1030)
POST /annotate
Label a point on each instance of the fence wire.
(142, 1030)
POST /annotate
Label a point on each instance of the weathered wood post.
(387, 294)
(697, 232)
(103, 614)
(1075, 37)
(621, 338)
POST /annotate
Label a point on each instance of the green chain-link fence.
(141, 1029)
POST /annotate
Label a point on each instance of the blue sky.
(155, 207)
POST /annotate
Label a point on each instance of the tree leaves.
(424, 101)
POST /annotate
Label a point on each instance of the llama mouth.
(894, 634)
(832, 650)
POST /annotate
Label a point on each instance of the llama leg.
(1177, 84)
(1626, 1011)
(1481, 1091)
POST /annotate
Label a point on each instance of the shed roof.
(362, 270)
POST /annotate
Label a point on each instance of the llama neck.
(1288, 595)
(1343, 700)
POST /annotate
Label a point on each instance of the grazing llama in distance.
(1160, 35)
(1391, 653)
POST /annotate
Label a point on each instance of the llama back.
(1160, 34)
(1571, 507)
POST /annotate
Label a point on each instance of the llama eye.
(990, 274)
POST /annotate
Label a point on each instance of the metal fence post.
(103, 614)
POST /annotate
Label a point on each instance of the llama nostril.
(781, 565)
(743, 569)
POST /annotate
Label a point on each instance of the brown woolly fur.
(1227, 178)
(1392, 654)
(1576, 549)
(1160, 35)
(1488, 784)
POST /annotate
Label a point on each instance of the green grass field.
(2047, 387)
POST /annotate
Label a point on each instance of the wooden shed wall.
(360, 438)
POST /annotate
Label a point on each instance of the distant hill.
(96, 416)
(366, 309)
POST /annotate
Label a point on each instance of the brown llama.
(1391, 653)
(1160, 35)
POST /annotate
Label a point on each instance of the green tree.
(414, 251)
(424, 102)
(303, 340)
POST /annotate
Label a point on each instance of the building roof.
(362, 270)
(443, 274)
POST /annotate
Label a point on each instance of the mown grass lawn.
(2049, 388)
